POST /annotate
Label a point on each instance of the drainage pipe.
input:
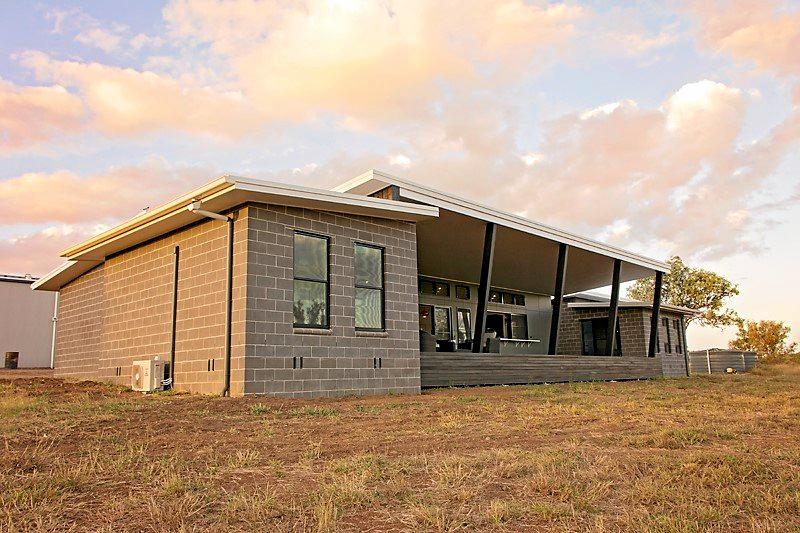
(55, 332)
(196, 207)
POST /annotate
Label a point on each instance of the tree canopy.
(695, 288)
(768, 338)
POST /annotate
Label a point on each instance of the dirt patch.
(707, 453)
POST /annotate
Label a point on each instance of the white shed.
(26, 321)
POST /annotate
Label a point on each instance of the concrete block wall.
(338, 361)
(121, 311)
(631, 330)
(80, 326)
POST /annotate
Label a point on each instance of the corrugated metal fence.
(718, 361)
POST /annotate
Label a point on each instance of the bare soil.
(710, 453)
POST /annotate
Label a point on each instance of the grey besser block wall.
(338, 361)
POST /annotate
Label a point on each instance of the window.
(462, 292)
(464, 326)
(369, 287)
(311, 280)
(442, 289)
(679, 337)
(509, 298)
(594, 333)
(436, 288)
(441, 323)
(519, 326)
(426, 287)
(668, 344)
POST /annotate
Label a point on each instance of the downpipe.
(196, 207)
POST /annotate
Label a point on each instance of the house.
(26, 321)
(380, 285)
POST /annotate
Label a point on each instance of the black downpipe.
(226, 391)
(174, 318)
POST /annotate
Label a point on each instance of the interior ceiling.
(451, 247)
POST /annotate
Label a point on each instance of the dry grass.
(715, 453)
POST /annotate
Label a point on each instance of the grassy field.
(715, 453)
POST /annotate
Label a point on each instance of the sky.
(667, 128)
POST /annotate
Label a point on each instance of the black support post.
(613, 309)
(654, 317)
(682, 333)
(173, 330)
(558, 297)
(484, 287)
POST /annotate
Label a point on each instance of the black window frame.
(382, 288)
(468, 327)
(466, 288)
(600, 320)
(435, 285)
(679, 338)
(668, 344)
(327, 281)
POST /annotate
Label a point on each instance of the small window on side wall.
(369, 287)
(462, 292)
(311, 281)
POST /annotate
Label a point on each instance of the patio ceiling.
(451, 247)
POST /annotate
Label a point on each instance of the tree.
(698, 289)
(768, 338)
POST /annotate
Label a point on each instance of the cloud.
(763, 32)
(30, 115)
(672, 178)
(124, 101)
(102, 38)
(37, 252)
(369, 61)
(67, 198)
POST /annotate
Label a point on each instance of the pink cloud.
(30, 115)
(125, 101)
(760, 31)
(37, 253)
(369, 61)
(67, 198)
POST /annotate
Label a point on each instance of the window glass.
(519, 299)
(519, 327)
(426, 287)
(442, 289)
(495, 297)
(368, 287)
(310, 257)
(441, 319)
(426, 318)
(462, 292)
(369, 309)
(310, 303)
(368, 266)
(464, 324)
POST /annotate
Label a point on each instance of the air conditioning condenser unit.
(147, 375)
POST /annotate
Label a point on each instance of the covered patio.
(493, 251)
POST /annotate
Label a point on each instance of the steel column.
(484, 287)
(654, 317)
(613, 309)
(558, 296)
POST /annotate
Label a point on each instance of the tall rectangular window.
(668, 344)
(369, 287)
(441, 323)
(678, 338)
(311, 280)
(464, 326)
